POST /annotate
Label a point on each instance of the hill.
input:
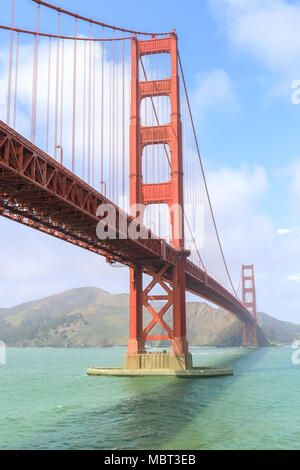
(94, 317)
(278, 331)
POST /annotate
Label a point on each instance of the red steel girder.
(37, 191)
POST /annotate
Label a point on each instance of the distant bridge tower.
(167, 192)
(249, 301)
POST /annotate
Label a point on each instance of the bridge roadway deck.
(39, 192)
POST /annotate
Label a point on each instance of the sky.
(242, 62)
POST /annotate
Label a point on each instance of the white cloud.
(214, 90)
(35, 265)
(295, 179)
(249, 236)
(291, 173)
(294, 277)
(237, 188)
(269, 31)
(283, 231)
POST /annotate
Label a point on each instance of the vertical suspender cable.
(62, 95)
(16, 79)
(146, 149)
(48, 98)
(113, 121)
(123, 124)
(102, 110)
(89, 111)
(74, 98)
(89, 105)
(117, 125)
(94, 109)
(35, 78)
(57, 85)
(109, 125)
(156, 163)
(161, 155)
(84, 111)
(152, 124)
(10, 61)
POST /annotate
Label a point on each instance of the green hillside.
(93, 317)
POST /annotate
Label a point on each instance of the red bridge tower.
(249, 301)
(168, 192)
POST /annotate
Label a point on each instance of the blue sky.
(240, 59)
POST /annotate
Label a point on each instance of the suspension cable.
(90, 20)
(11, 29)
(202, 171)
(55, 36)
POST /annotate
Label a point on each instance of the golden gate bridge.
(98, 147)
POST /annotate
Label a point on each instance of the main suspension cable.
(55, 36)
(202, 171)
(90, 20)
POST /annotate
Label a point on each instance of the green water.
(47, 402)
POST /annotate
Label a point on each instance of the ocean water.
(48, 402)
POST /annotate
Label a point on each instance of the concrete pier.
(196, 372)
(154, 361)
(159, 364)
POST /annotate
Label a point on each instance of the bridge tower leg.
(168, 192)
(249, 301)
